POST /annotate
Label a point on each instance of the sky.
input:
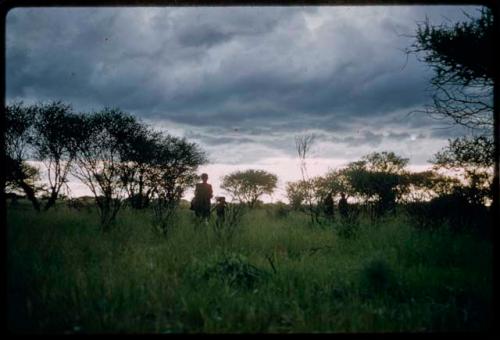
(241, 82)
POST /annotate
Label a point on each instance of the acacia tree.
(172, 170)
(464, 71)
(19, 120)
(462, 155)
(296, 193)
(54, 125)
(103, 141)
(140, 176)
(309, 196)
(378, 177)
(160, 166)
(247, 186)
(463, 63)
(426, 185)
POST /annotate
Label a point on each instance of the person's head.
(342, 195)
(204, 178)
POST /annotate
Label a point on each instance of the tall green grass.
(276, 274)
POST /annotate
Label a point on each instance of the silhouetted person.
(343, 206)
(328, 206)
(202, 196)
(220, 209)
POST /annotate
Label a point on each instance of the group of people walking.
(203, 194)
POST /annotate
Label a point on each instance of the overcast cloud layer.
(242, 82)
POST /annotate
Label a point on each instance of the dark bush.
(234, 270)
(377, 276)
(349, 223)
(281, 210)
(453, 210)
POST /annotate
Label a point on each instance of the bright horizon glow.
(287, 170)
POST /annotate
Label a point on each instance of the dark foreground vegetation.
(273, 271)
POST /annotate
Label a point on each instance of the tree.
(303, 146)
(172, 169)
(140, 175)
(379, 178)
(425, 185)
(247, 186)
(474, 158)
(462, 59)
(296, 193)
(103, 142)
(336, 182)
(384, 161)
(19, 134)
(54, 125)
(464, 71)
(312, 193)
(22, 176)
(465, 152)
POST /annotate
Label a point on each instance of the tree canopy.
(461, 56)
(249, 185)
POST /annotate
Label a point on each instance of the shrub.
(377, 276)
(281, 210)
(452, 209)
(349, 223)
(232, 269)
(225, 227)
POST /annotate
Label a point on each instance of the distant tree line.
(119, 158)
(381, 180)
(123, 161)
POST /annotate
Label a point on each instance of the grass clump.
(377, 276)
(232, 269)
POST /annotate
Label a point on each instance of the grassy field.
(276, 274)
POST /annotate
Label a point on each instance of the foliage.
(462, 59)
(309, 197)
(425, 185)
(377, 277)
(380, 178)
(296, 193)
(103, 141)
(232, 269)
(164, 215)
(336, 182)
(348, 225)
(19, 135)
(281, 210)
(53, 144)
(66, 277)
(140, 177)
(227, 226)
(466, 152)
(474, 157)
(247, 186)
(19, 175)
(387, 162)
(174, 167)
(453, 210)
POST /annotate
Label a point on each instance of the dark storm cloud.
(203, 35)
(271, 73)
